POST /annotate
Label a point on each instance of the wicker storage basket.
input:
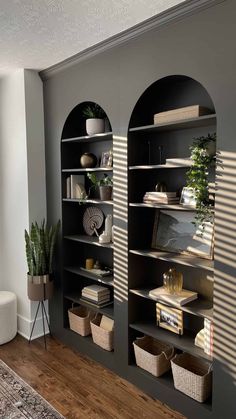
(79, 320)
(102, 337)
(153, 355)
(192, 376)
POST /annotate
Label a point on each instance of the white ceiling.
(39, 33)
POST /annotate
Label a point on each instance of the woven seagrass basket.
(192, 376)
(153, 355)
(79, 320)
(102, 337)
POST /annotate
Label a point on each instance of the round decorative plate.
(93, 219)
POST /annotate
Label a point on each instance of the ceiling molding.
(173, 14)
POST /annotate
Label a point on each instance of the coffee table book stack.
(161, 198)
(97, 295)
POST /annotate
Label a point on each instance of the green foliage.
(40, 244)
(94, 111)
(105, 181)
(197, 178)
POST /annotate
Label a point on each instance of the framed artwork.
(169, 318)
(106, 159)
(188, 198)
(174, 231)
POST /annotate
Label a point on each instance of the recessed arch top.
(75, 124)
(171, 92)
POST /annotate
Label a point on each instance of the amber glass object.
(173, 281)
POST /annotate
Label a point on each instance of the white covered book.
(180, 299)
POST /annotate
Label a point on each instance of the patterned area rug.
(19, 401)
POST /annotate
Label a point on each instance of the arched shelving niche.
(78, 246)
(149, 145)
(75, 122)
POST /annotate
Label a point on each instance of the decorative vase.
(40, 287)
(160, 187)
(88, 160)
(105, 193)
(95, 126)
(173, 281)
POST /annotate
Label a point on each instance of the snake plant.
(40, 245)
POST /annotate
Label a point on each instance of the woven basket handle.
(210, 368)
(174, 357)
(168, 358)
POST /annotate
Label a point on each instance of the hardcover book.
(180, 299)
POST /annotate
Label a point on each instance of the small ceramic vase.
(88, 160)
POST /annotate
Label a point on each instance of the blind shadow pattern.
(225, 264)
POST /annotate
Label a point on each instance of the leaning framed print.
(169, 318)
(188, 197)
(175, 231)
(106, 159)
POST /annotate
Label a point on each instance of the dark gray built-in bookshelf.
(137, 268)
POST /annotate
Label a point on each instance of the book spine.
(68, 187)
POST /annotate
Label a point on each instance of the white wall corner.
(25, 325)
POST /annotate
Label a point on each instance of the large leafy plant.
(198, 178)
(40, 246)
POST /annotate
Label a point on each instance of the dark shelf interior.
(200, 121)
(88, 240)
(76, 298)
(107, 280)
(88, 201)
(184, 343)
(200, 307)
(180, 259)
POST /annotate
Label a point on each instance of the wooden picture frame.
(174, 231)
(169, 318)
(106, 159)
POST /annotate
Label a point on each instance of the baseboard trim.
(185, 9)
(24, 326)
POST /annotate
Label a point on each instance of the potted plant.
(203, 154)
(95, 122)
(40, 246)
(105, 185)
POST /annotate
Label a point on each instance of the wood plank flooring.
(78, 387)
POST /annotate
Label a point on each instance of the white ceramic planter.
(95, 126)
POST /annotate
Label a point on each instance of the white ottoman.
(8, 317)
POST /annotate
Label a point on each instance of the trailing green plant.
(94, 111)
(197, 179)
(40, 246)
(105, 181)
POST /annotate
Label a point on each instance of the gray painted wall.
(202, 47)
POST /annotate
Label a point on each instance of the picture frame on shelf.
(169, 318)
(106, 159)
(175, 231)
(188, 198)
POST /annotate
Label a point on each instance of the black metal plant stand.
(43, 310)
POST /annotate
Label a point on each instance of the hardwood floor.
(77, 386)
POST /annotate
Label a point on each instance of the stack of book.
(96, 295)
(161, 198)
(183, 297)
(75, 187)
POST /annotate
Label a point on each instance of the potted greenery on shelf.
(105, 185)
(95, 122)
(40, 246)
(203, 154)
